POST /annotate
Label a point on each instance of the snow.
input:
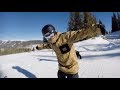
(114, 35)
(13, 45)
(3, 42)
(100, 59)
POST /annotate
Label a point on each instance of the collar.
(56, 37)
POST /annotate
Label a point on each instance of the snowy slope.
(18, 44)
(100, 59)
(114, 35)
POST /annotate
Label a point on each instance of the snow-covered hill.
(100, 59)
(17, 44)
(114, 35)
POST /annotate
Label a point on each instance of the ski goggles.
(48, 35)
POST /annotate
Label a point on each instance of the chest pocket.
(64, 48)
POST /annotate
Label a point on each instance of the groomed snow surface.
(100, 59)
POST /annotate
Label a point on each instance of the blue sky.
(28, 25)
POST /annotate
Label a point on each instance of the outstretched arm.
(74, 36)
(43, 46)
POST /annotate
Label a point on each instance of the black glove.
(37, 47)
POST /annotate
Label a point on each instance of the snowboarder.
(62, 44)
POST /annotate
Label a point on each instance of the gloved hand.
(37, 47)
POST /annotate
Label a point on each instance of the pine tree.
(81, 20)
(102, 27)
(114, 23)
(89, 19)
(78, 21)
(71, 22)
(94, 20)
(86, 19)
(75, 21)
(91, 23)
(118, 15)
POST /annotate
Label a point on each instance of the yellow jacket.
(65, 50)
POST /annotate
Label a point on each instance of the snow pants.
(61, 74)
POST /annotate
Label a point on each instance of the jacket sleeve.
(79, 35)
(43, 46)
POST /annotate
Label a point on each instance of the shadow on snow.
(25, 72)
(47, 60)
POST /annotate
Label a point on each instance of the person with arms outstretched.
(62, 44)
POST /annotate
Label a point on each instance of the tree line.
(80, 20)
(115, 22)
(7, 51)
